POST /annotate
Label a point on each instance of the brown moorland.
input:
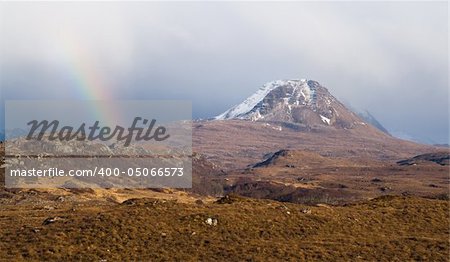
(234, 229)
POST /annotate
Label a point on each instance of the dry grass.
(387, 229)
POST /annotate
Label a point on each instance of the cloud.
(388, 57)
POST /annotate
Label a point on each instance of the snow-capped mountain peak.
(241, 111)
(299, 101)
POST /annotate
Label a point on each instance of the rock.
(384, 189)
(211, 221)
(50, 220)
(441, 158)
(60, 199)
(306, 211)
(282, 207)
(229, 199)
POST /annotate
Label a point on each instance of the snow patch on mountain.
(325, 120)
(242, 110)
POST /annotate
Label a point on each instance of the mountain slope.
(369, 118)
(298, 101)
(295, 114)
(238, 143)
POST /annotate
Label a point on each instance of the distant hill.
(369, 118)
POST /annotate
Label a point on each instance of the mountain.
(295, 115)
(370, 119)
(297, 101)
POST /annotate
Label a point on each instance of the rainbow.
(90, 85)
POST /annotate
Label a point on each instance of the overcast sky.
(388, 58)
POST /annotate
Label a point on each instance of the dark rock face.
(272, 158)
(442, 159)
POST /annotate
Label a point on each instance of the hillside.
(239, 143)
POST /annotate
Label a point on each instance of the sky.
(390, 58)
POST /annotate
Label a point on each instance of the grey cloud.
(390, 58)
